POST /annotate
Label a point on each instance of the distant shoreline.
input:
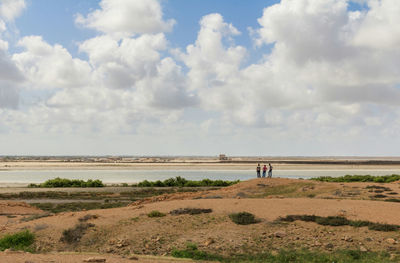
(202, 165)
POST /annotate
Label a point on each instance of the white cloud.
(127, 18)
(49, 67)
(119, 64)
(10, 79)
(212, 64)
(10, 9)
(330, 82)
(380, 27)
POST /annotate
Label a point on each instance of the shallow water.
(134, 176)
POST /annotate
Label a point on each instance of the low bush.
(17, 241)
(182, 182)
(87, 217)
(359, 178)
(379, 196)
(243, 218)
(359, 223)
(190, 211)
(77, 206)
(332, 221)
(340, 221)
(192, 252)
(156, 213)
(378, 187)
(74, 235)
(393, 200)
(383, 227)
(63, 182)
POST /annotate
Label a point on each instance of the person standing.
(258, 171)
(270, 171)
(264, 171)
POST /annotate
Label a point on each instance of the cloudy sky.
(200, 77)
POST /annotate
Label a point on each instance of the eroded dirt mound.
(17, 208)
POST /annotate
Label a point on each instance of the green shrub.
(63, 182)
(182, 182)
(306, 218)
(340, 221)
(156, 213)
(359, 223)
(393, 200)
(192, 252)
(359, 178)
(383, 188)
(379, 196)
(332, 221)
(383, 227)
(18, 241)
(243, 218)
(190, 211)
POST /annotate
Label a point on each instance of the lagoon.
(24, 177)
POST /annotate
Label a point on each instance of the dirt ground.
(128, 230)
(17, 257)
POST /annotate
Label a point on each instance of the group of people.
(264, 170)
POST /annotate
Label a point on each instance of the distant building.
(222, 157)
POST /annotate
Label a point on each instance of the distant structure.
(223, 157)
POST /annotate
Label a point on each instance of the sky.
(200, 77)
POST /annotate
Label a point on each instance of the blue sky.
(63, 29)
(175, 77)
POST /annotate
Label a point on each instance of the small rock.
(28, 261)
(329, 246)
(391, 249)
(369, 239)
(95, 260)
(391, 241)
(280, 234)
(208, 242)
(133, 258)
(347, 238)
(363, 249)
